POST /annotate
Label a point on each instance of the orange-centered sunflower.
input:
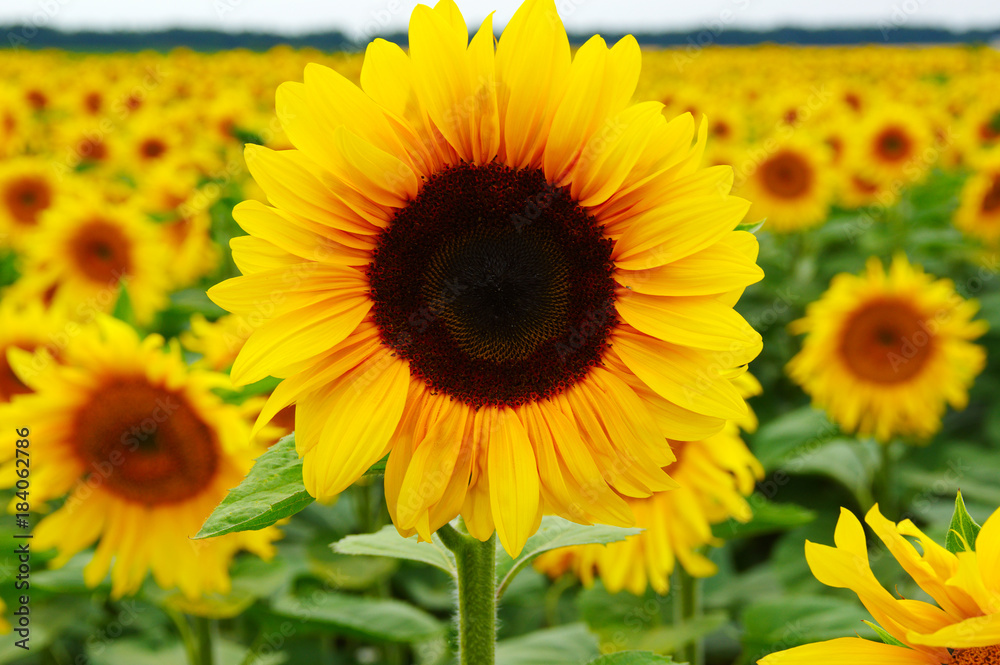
(490, 265)
(145, 451)
(884, 352)
(962, 628)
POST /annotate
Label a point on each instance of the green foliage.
(388, 543)
(273, 490)
(884, 634)
(364, 618)
(632, 658)
(565, 645)
(554, 533)
(963, 529)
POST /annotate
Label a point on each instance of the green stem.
(204, 631)
(477, 607)
(884, 489)
(688, 608)
(187, 637)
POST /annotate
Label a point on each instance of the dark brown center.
(991, 200)
(977, 656)
(26, 198)
(886, 341)
(495, 286)
(787, 175)
(145, 443)
(893, 144)
(101, 252)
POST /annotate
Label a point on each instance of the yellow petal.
(682, 376)
(728, 264)
(677, 229)
(600, 83)
(853, 650)
(533, 63)
(360, 411)
(983, 631)
(988, 552)
(513, 481)
(701, 322)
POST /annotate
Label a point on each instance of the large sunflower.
(714, 475)
(486, 263)
(885, 352)
(144, 449)
(962, 628)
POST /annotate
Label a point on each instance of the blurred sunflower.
(714, 475)
(963, 628)
(978, 213)
(894, 143)
(146, 452)
(28, 187)
(790, 186)
(85, 250)
(454, 250)
(883, 353)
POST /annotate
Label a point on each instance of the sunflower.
(896, 143)
(714, 475)
(791, 185)
(885, 352)
(28, 187)
(468, 261)
(978, 213)
(962, 628)
(145, 450)
(87, 250)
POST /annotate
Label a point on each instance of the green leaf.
(271, 491)
(752, 227)
(554, 533)
(633, 658)
(387, 542)
(364, 618)
(565, 645)
(883, 635)
(196, 301)
(673, 637)
(123, 306)
(377, 470)
(789, 621)
(768, 517)
(963, 529)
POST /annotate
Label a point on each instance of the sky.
(364, 18)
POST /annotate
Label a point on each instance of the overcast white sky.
(361, 18)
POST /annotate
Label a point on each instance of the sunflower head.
(885, 351)
(88, 249)
(145, 450)
(488, 264)
(790, 184)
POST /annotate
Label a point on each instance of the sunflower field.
(494, 350)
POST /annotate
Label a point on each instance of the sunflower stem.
(884, 489)
(477, 607)
(688, 609)
(183, 626)
(204, 634)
